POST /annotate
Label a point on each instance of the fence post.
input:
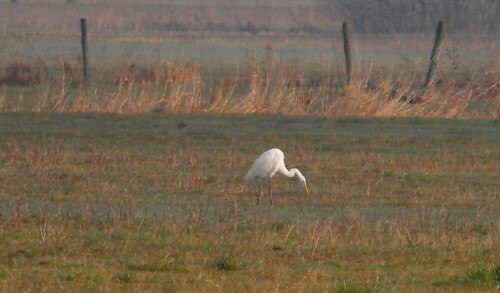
(83, 26)
(347, 51)
(434, 55)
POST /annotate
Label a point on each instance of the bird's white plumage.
(271, 162)
(267, 164)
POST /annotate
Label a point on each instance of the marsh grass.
(138, 202)
(238, 73)
(268, 86)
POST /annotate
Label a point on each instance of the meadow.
(150, 202)
(134, 181)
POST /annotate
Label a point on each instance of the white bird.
(270, 163)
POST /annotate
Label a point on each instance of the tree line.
(413, 16)
(365, 16)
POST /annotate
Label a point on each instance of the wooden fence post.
(347, 51)
(83, 26)
(434, 55)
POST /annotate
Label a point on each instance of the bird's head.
(301, 178)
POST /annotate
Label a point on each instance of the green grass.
(102, 202)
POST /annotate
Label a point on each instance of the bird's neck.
(290, 173)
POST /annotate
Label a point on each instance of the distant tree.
(403, 16)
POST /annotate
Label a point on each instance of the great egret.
(270, 163)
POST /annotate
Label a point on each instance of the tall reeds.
(267, 86)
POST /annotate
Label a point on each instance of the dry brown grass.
(268, 86)
(406, 98)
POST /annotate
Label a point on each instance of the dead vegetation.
(267, 86)
(21, 74)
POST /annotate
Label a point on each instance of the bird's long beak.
(307, 190)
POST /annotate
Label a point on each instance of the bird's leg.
(259, 195)
(270, 193)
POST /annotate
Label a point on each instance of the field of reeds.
(108, 202)
(238, 73)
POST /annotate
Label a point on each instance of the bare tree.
(403, 16)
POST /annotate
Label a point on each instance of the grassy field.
(134, 181)
(104, 202)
